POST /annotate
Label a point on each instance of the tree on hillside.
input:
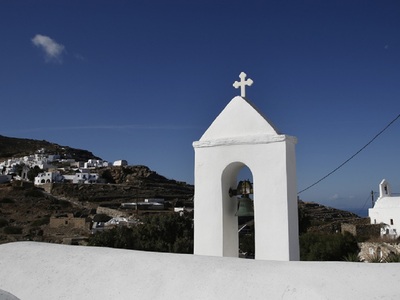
(32, 173)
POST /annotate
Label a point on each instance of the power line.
(354, 155)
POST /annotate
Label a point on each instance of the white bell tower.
(240, 136)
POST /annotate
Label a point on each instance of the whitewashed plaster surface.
(240, 136)
(40, 271)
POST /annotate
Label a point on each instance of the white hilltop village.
(44, 161)
(30, 270)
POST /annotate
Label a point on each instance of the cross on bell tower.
(242, 84)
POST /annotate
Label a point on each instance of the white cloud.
(52, 50)
(334, 197)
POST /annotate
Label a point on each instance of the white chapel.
(386, 211)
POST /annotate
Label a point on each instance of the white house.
(84, 177)
(120, 163)
(48, 177)
(386, 211)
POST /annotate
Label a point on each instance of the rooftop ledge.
(245, 140)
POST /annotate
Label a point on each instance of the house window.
(374, 221)
(66, 222)
(391, 221)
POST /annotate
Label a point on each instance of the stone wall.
(362, 230)
(69, 221)
(110, 212)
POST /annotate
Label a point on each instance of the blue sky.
(142, 80)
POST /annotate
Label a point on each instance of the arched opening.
(246, 221)
(238, 211)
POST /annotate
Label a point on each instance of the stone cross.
(242, 84)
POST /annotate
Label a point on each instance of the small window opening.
(391, 221)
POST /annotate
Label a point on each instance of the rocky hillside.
(16, 147)
(26, 210)
(321, 218)
(324, 213)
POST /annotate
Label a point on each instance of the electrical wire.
(366, 200)
(351, 157)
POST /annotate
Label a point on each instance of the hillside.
(25, 210)
(321, 218)
(125, 184)
(16, 147)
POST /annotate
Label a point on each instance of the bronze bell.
(245, 207)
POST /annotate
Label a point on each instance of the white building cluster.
(40, 160)
(83, 170)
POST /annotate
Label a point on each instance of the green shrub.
(327, 247)
(7, 200)
(12, 230)
(375, 259)
(161, 233)
(33, 193)
(351, 257)
(393, 258)
(32, 173)
(41, 221)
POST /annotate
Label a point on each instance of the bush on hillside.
(41, 221)
(3, 222)
(33, 193)
(327, 247)
(6, 200)
(161, 233)
(32, 173)
(12, 230)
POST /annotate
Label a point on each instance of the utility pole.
(372, 198)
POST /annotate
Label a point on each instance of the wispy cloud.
(53, 51)
(79, 56)
(334, 197)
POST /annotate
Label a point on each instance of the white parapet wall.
(40, 271)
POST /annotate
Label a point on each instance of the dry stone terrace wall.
(120, 192)
(110, 212)
(93, 192)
